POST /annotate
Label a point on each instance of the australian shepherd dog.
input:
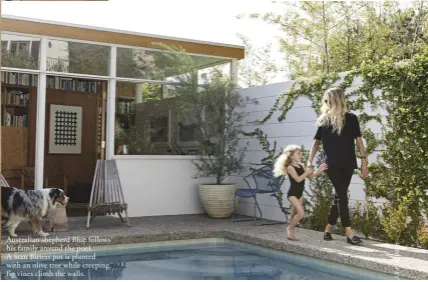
(29, 205)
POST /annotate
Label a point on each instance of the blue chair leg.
(255, 210)
(258, 207)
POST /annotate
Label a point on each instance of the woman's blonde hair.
(280, 167)
(333, 109)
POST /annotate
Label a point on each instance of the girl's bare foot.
(291, 235)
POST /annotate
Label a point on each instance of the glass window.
(158, 65)
(148, 121)
(20, 51)
(205, 74)
(77, 57)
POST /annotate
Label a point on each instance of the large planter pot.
(217, 199)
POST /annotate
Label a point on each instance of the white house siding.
(159, 185)
(298, 128)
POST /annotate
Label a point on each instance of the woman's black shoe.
(327, 236)
(354, 241)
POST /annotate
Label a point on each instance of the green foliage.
(399, 175)
(151, 91)
(271, 150)
(366, 219)
(335, 36)
(258, 67)
(217, 108)
(384, 46)
(88, 58)
(393, 221)
(137, 63)
(423, 239)
(20, 58)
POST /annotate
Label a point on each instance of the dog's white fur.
(29, 205)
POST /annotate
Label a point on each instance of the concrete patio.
(401, 261)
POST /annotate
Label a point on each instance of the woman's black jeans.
(341, 179)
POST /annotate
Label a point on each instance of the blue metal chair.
(265, 183)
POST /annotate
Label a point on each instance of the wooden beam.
(95, 35)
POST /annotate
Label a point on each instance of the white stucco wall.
(298, 128)
(159, 185)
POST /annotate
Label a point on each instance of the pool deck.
(401, 261)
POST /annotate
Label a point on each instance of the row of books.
(16, 78)
(16, 97)
(72, 84)
(17, 121)
(127, 107)
(54, 82)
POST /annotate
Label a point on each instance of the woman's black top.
(339, 150)
(296, 188)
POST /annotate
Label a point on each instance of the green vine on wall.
(400, 172)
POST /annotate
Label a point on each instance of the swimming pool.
(212, 259)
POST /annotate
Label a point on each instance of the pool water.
(213, 259)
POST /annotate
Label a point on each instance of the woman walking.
(337, 129)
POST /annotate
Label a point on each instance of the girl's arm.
(291, 171)
(322, 168)
(313, 152)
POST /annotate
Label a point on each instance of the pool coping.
(292, 247)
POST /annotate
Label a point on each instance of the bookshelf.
(52, 82)
(18, 113)
(125, 104)
(125, 112)
(15, 105)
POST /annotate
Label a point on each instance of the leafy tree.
(20, 58)
(323, 37)
(151, 91)
(88, 58)
(258, 67)
(217, 109)
(137, 64)
(305, 39)
(365, 218)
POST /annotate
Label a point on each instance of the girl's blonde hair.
(280, 167)
(333, 109)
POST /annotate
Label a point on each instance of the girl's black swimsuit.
(296, 188)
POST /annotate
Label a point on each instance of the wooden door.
(78, 167)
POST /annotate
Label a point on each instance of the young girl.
(289, 163)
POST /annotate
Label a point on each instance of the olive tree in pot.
(216, 108)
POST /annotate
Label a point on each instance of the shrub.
(365, 219)
(423, 238)
(393, 221)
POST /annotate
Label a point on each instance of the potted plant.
(216, 108)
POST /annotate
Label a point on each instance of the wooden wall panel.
(14, 147)
(78, 167)
(13, 153)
